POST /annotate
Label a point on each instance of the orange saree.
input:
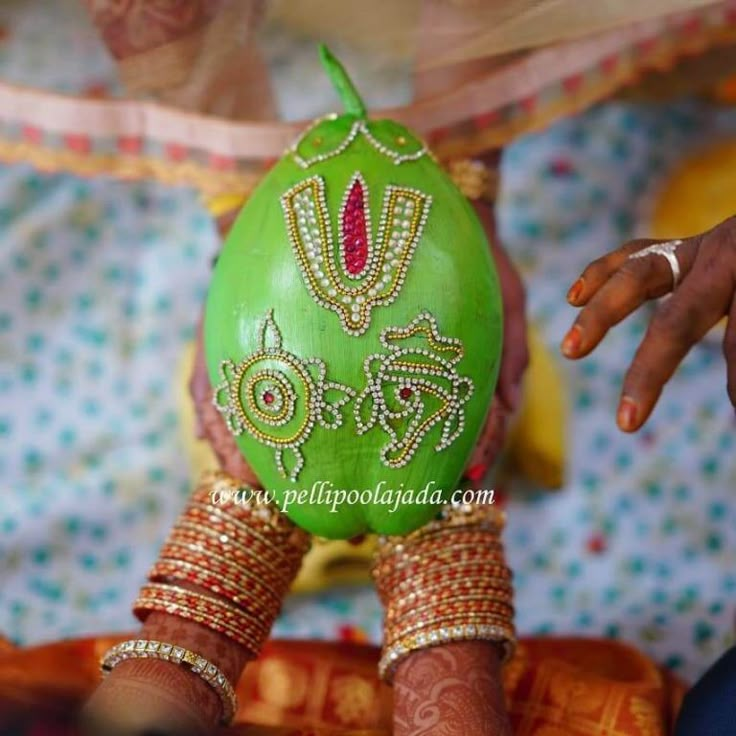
(554, 687)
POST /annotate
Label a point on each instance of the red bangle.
(213, 613)
(271, 586)
(166, 570)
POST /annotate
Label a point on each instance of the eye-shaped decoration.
(413, 387)
(277, 398)
(352, 273)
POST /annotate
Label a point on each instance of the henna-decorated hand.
(142, 697)
(452, 690)
(457, 688)
(615, 285)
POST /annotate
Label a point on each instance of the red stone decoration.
(349, 271)
(354, 231)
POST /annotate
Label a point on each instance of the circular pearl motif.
(259, 396)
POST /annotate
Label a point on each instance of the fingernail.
(575, 291)
(573, 340)
(476, 472)
(626, 416)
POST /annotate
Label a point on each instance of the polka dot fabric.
(100, 287)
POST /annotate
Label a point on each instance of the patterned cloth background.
(100, 287)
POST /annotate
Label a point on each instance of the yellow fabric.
(537, 445)
(699, 193)
(224, 204)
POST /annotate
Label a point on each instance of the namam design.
(354, 272)
(277, 398)
(413, 387)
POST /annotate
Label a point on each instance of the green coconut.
(353, 327)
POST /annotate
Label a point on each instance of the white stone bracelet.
(149, 649)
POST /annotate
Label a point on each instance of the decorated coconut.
(353, 327)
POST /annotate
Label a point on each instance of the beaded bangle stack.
(226, 566)
(448, 581)
(242, 557)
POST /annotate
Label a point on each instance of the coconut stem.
(342, 83)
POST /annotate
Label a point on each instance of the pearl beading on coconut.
(413, 373)
(243, 398)
(404, 214)
(359, 127)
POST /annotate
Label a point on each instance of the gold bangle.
(187, 552)
(265, 514)
(245, 631)
(417, 553)
(453, 516)
(454, 588)
(210, 609)
(477, 536)
(252, 514)
(203, 668)
(213, 536)
(444, 582)
(446, 558)
(219, 518)
(448, 576)
(397, 610)
(167, 570)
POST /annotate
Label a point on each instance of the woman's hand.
(452, 690)
(613, 286)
